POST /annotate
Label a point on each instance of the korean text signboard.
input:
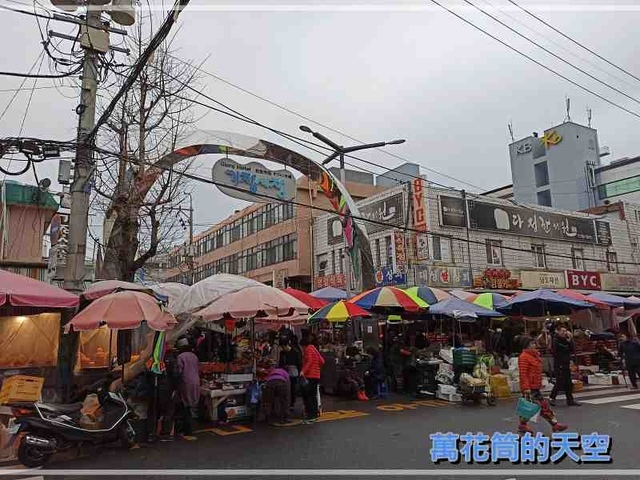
(253, 182)
(444, 276)
(536, 279)
(523, 221)
(336, 280)
(583, 280)
(400, 251)
(386, 276)
(620, 283)
(385, 213)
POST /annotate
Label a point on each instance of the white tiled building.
(488, 243)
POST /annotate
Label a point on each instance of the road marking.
(594, 394)
(632, 407)
(226, 430)
(618, 398)
(340, 415)
(399, 407)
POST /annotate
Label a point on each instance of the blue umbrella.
(330, 293)
(459, 309)
(542, 302)
(615, 300)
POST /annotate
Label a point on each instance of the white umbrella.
(174, 292)
(211, 289)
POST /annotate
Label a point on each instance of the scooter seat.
(61, 408)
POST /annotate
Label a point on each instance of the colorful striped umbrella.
(462, 295)
(340, 311)
(388, 297)
(312, 302)
(491, 300)
(427, 295)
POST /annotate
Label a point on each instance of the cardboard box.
(452, 397)
(447, 389)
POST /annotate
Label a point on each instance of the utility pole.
(83, 171)
(339, 152)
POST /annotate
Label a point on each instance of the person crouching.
(276, 396)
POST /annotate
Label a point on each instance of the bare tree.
(149, 123)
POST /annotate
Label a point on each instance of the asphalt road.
(387, 434)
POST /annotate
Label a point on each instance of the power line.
(540, 64)
(315, 122)
(20, 87)
(272, 198)
(574, 41)
(521, 35)
(29, 75)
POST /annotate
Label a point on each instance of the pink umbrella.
(105, 287)
(584, 298)
(124, 311)
(250, 302)
(21, 291)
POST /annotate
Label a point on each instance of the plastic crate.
(21, 388)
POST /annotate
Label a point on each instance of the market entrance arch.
(222, 143)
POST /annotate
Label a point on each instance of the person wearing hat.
(189, 386)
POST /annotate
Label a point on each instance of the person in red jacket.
(312, 362)
(530, 369)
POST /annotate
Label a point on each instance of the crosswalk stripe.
(618, 398)
(635, 406)
(596, 393)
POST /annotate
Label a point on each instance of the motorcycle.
(51, 428)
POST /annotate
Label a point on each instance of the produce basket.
(21, 388)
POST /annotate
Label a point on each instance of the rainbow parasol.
(388, 297)
(340, 311)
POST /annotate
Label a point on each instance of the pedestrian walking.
(312, 362)
(189, 387)
(530, 370)
(563, 349)
(630, 356)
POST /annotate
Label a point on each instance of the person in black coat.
(291, 361)
(374, 377)
(630, 355)
(563, 348)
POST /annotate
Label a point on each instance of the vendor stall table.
(214, 398)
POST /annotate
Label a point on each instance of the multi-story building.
(490, 243)
(269, 242)
(26, 212)
(563, 169)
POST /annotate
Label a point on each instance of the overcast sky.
(377, 71)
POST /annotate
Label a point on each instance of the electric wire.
(540, 64)
(528, 12)
(558, 57)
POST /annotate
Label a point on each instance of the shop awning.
(21, 291)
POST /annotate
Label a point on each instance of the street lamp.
(339, 152)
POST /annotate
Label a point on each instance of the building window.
(333, 261)
(436, 249)
(494, 252)
(577, 257)
(341, 260)
(619, 187)
(322, 261)
(539, 256)
(637, 215)
(541, 171)
(544, 198)
(612, 262)
(377, 253)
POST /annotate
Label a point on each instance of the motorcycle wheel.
(126, 436)
(31, 456)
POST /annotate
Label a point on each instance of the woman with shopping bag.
(533, 402)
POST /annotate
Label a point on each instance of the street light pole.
(339, 152)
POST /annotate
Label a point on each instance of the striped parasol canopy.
(339, 311)
(463, 295)
(428, 295)
(388, 297)
(312, 302)
(490, 300)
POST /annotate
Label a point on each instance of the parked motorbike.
(50, 428)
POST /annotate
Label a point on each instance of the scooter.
(48, 428)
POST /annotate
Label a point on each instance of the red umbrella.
(306, 298)
(21, 291)
(584, 298)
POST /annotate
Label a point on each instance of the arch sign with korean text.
(255, 182)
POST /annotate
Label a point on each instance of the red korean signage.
(583, 280)
(336, 280)
(419, 206)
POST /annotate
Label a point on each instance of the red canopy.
(584, 298)
(309, 300)
(21, 291)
